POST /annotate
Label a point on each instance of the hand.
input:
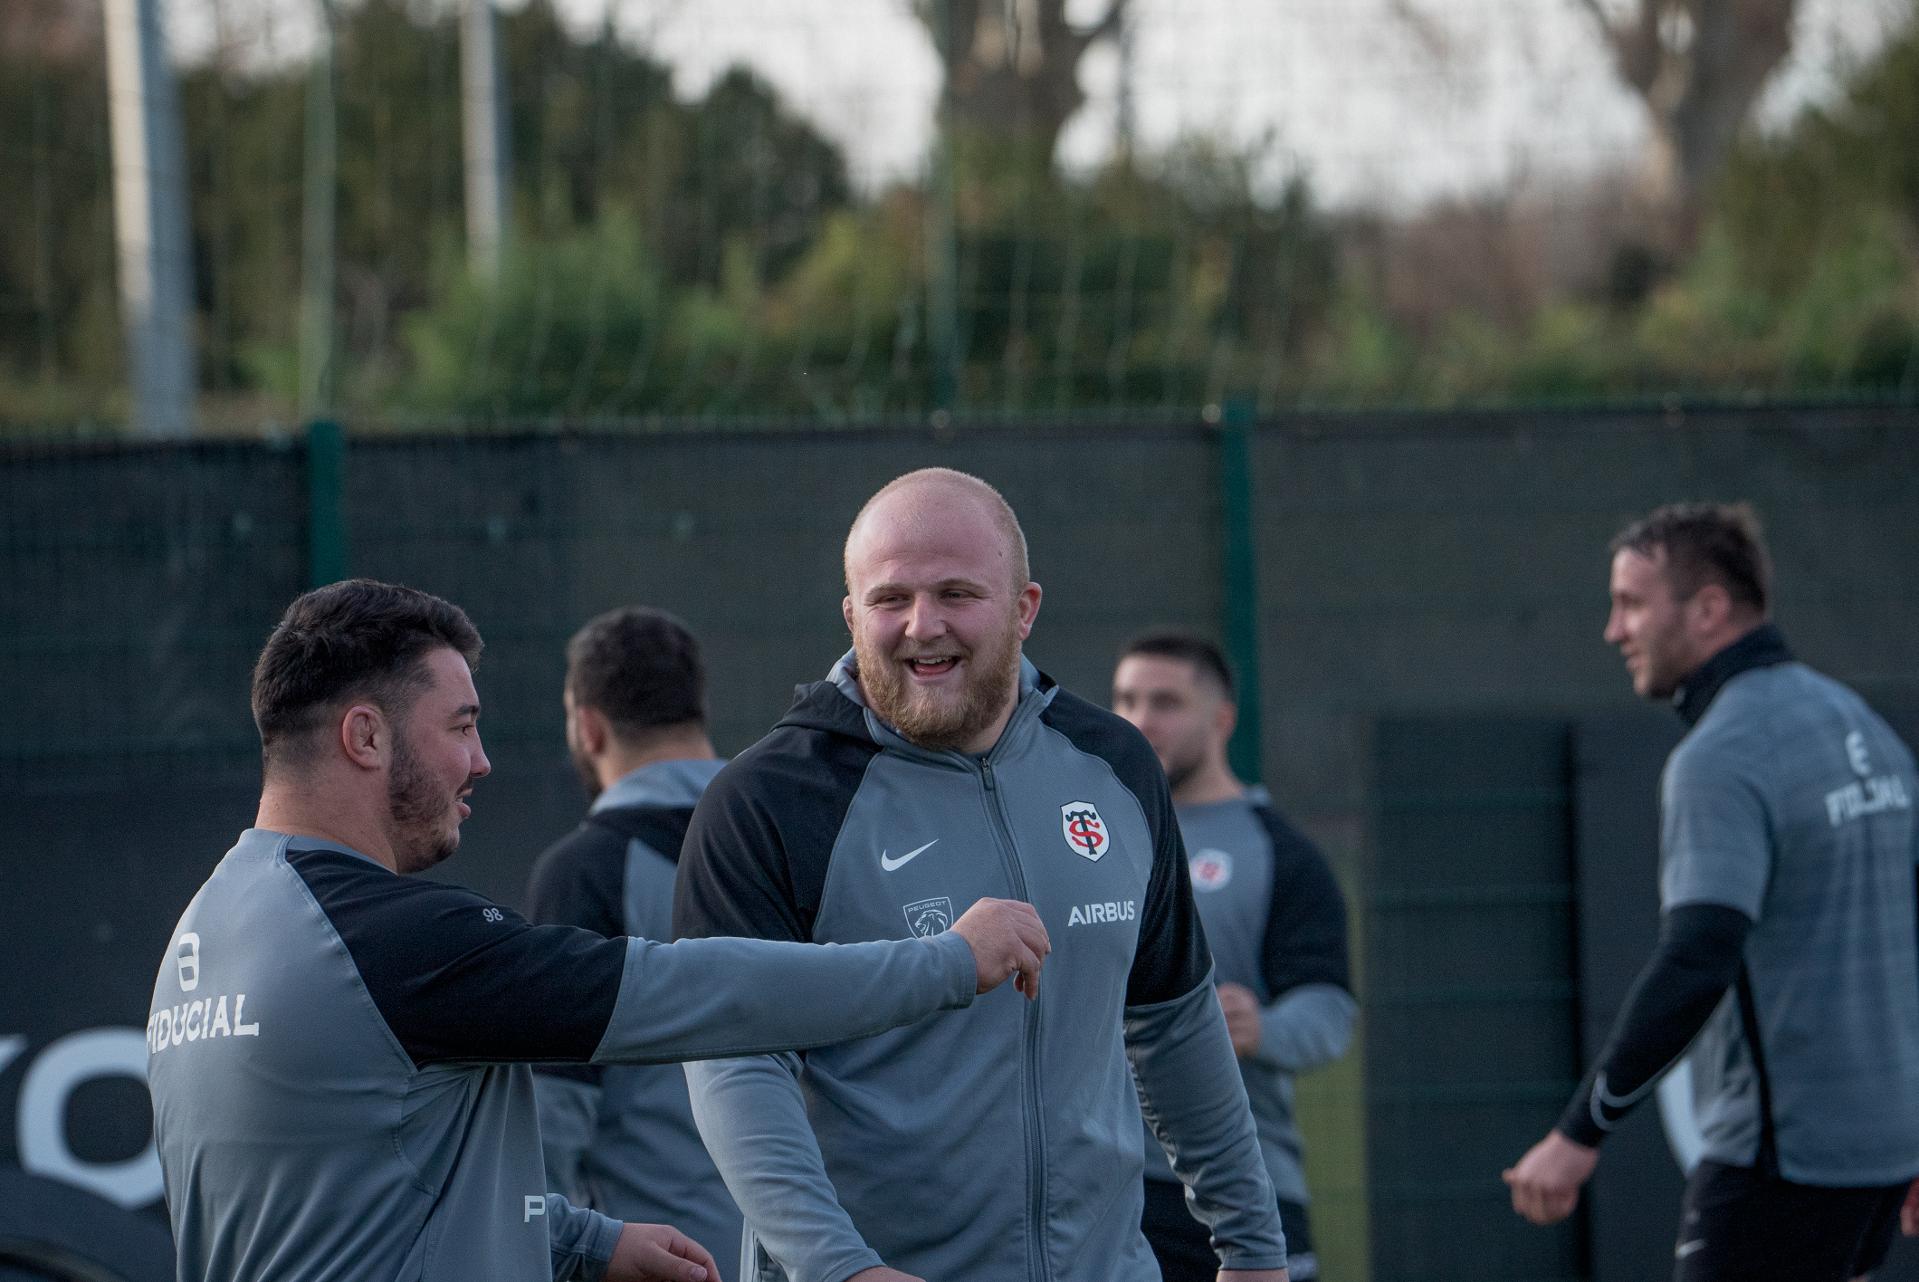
(1909, 1213)
(1006, 936)
(1546, 1182)
(883, 1274)
(657, 1253)
(1242, 1018)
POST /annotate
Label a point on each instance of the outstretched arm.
(1696, 961)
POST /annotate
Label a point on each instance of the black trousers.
(1738, 1224)
(1185, 1251)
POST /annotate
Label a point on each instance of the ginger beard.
(951, 714)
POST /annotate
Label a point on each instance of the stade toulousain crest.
(1211, 870)
(1085, 830)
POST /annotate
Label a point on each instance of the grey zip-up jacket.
(620, 1138)
(1004, 1143)
(335, 1055)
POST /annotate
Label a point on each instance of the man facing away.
(621, 1138)
(338, 1049)
(932, 767)
(1786, 942)
(1275, 919)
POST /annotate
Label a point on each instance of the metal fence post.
(326, 502)
(1239, 579)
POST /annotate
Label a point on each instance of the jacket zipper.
(1035, 1132)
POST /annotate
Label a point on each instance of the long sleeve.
(1696, 961)
(1195, 1103)
(581, 1240)
(700, 998)
(460, 980)
(1307, 1027)
(754, 1122)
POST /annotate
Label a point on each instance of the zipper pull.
(986, 773)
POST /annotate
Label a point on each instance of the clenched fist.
(1007, 938)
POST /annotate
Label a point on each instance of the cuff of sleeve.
(962, 972)
(598, 1245)
(846, 1265)
(1577, 1122)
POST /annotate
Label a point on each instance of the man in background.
(1786, 941)
(1275, 919)
(620, 1138)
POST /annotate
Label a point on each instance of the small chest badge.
(1085, 830)
(1211, 869)
(929, 917)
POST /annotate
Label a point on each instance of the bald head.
(938, 502)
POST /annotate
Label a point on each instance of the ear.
(1225, 719)
(365, 737)
(1027, 608)
(1709, 608)
(846, 611)
(594, 729)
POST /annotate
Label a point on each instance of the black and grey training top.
(337, 1058)
(1791, 802)
(1003, 1143)
(620, 1138)
(1276, 921)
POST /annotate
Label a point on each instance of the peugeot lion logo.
(929, 917)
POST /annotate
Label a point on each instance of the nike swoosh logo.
(891, 864)
(1685, 1249)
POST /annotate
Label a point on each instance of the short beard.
(415, 812)
(589, 774)
(933, 723)
(1178, 773)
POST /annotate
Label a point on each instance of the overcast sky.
(1497, 92)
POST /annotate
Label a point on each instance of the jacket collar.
(675, 784)
(1763, 647)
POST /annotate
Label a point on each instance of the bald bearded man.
(933, 767)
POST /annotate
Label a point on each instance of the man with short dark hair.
(621, 1138)
(934, 765)
(1786, 943)
(1275, 919)
(337, 1051)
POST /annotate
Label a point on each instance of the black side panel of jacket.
(807, 777)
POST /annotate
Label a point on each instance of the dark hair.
(640, 668)
(1705, 543)
(355, 638)
(1208, 658)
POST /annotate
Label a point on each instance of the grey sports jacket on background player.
(328, 1058)
(1277, 924)
(1791, 801)
(1003, 1144)
(621, 1138)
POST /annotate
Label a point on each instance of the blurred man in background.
(621, 1139)
(1274, 917)
(1786, 942)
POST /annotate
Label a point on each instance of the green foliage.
(578, 321)
(709, 256)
